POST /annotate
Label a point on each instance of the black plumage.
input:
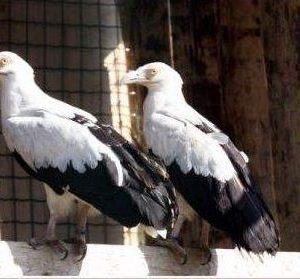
(222, 190)
(235, 206)
(146, 196)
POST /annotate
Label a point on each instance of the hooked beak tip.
(129, 78)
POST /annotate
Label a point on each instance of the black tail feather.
(252, 225)
(232, 207)
(154, 194)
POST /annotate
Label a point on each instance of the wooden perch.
(18, 259)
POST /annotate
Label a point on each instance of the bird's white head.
(13, 66)
(153, 75)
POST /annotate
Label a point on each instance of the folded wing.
(213, 176)
(96, 164)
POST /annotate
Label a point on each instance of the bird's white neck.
(162, 96)
(17, 93)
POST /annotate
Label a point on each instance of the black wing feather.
(228, 206)
(139, 161)
(147, 195)
(236, 206)
(235, 157)
(147, 169)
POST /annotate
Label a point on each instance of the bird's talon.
(205, 256)
(184, 259)
(172, 244)
(59, 247)
(80, 250)
(35, 243)
(56, 245)
(179, 253)
(64, 256)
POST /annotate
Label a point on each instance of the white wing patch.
(49, 140)
(173, 140)
(219, 137)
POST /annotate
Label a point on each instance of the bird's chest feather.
(154, 101)
(10, 101)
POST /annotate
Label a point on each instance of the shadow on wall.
(78, 55)
(101, 261)
(18, 259)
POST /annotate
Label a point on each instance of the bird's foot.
(36, 243)
(172, 244)
(80, 248)
(56, 245)
(205, 255)
(59, 247)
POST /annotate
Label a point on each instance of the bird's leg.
(175, 232)
(204, 237)
(36, 243)
(204, 243)
(50, 239)
(171, 242)
(80, 237)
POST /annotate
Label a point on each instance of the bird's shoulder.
(102, 131)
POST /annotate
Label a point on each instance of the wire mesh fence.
(77, 52)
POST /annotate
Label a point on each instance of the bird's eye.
(151, 72)
(4, 61)
(154, 71)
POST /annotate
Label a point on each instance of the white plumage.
(79, 157)
(183, 143)
(71, 142)
(170, 126)
(31, 120)
(207, 169)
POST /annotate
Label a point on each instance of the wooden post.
(282, 45)
(245, 97)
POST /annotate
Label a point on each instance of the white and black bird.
(77, 156)
(207, 169)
